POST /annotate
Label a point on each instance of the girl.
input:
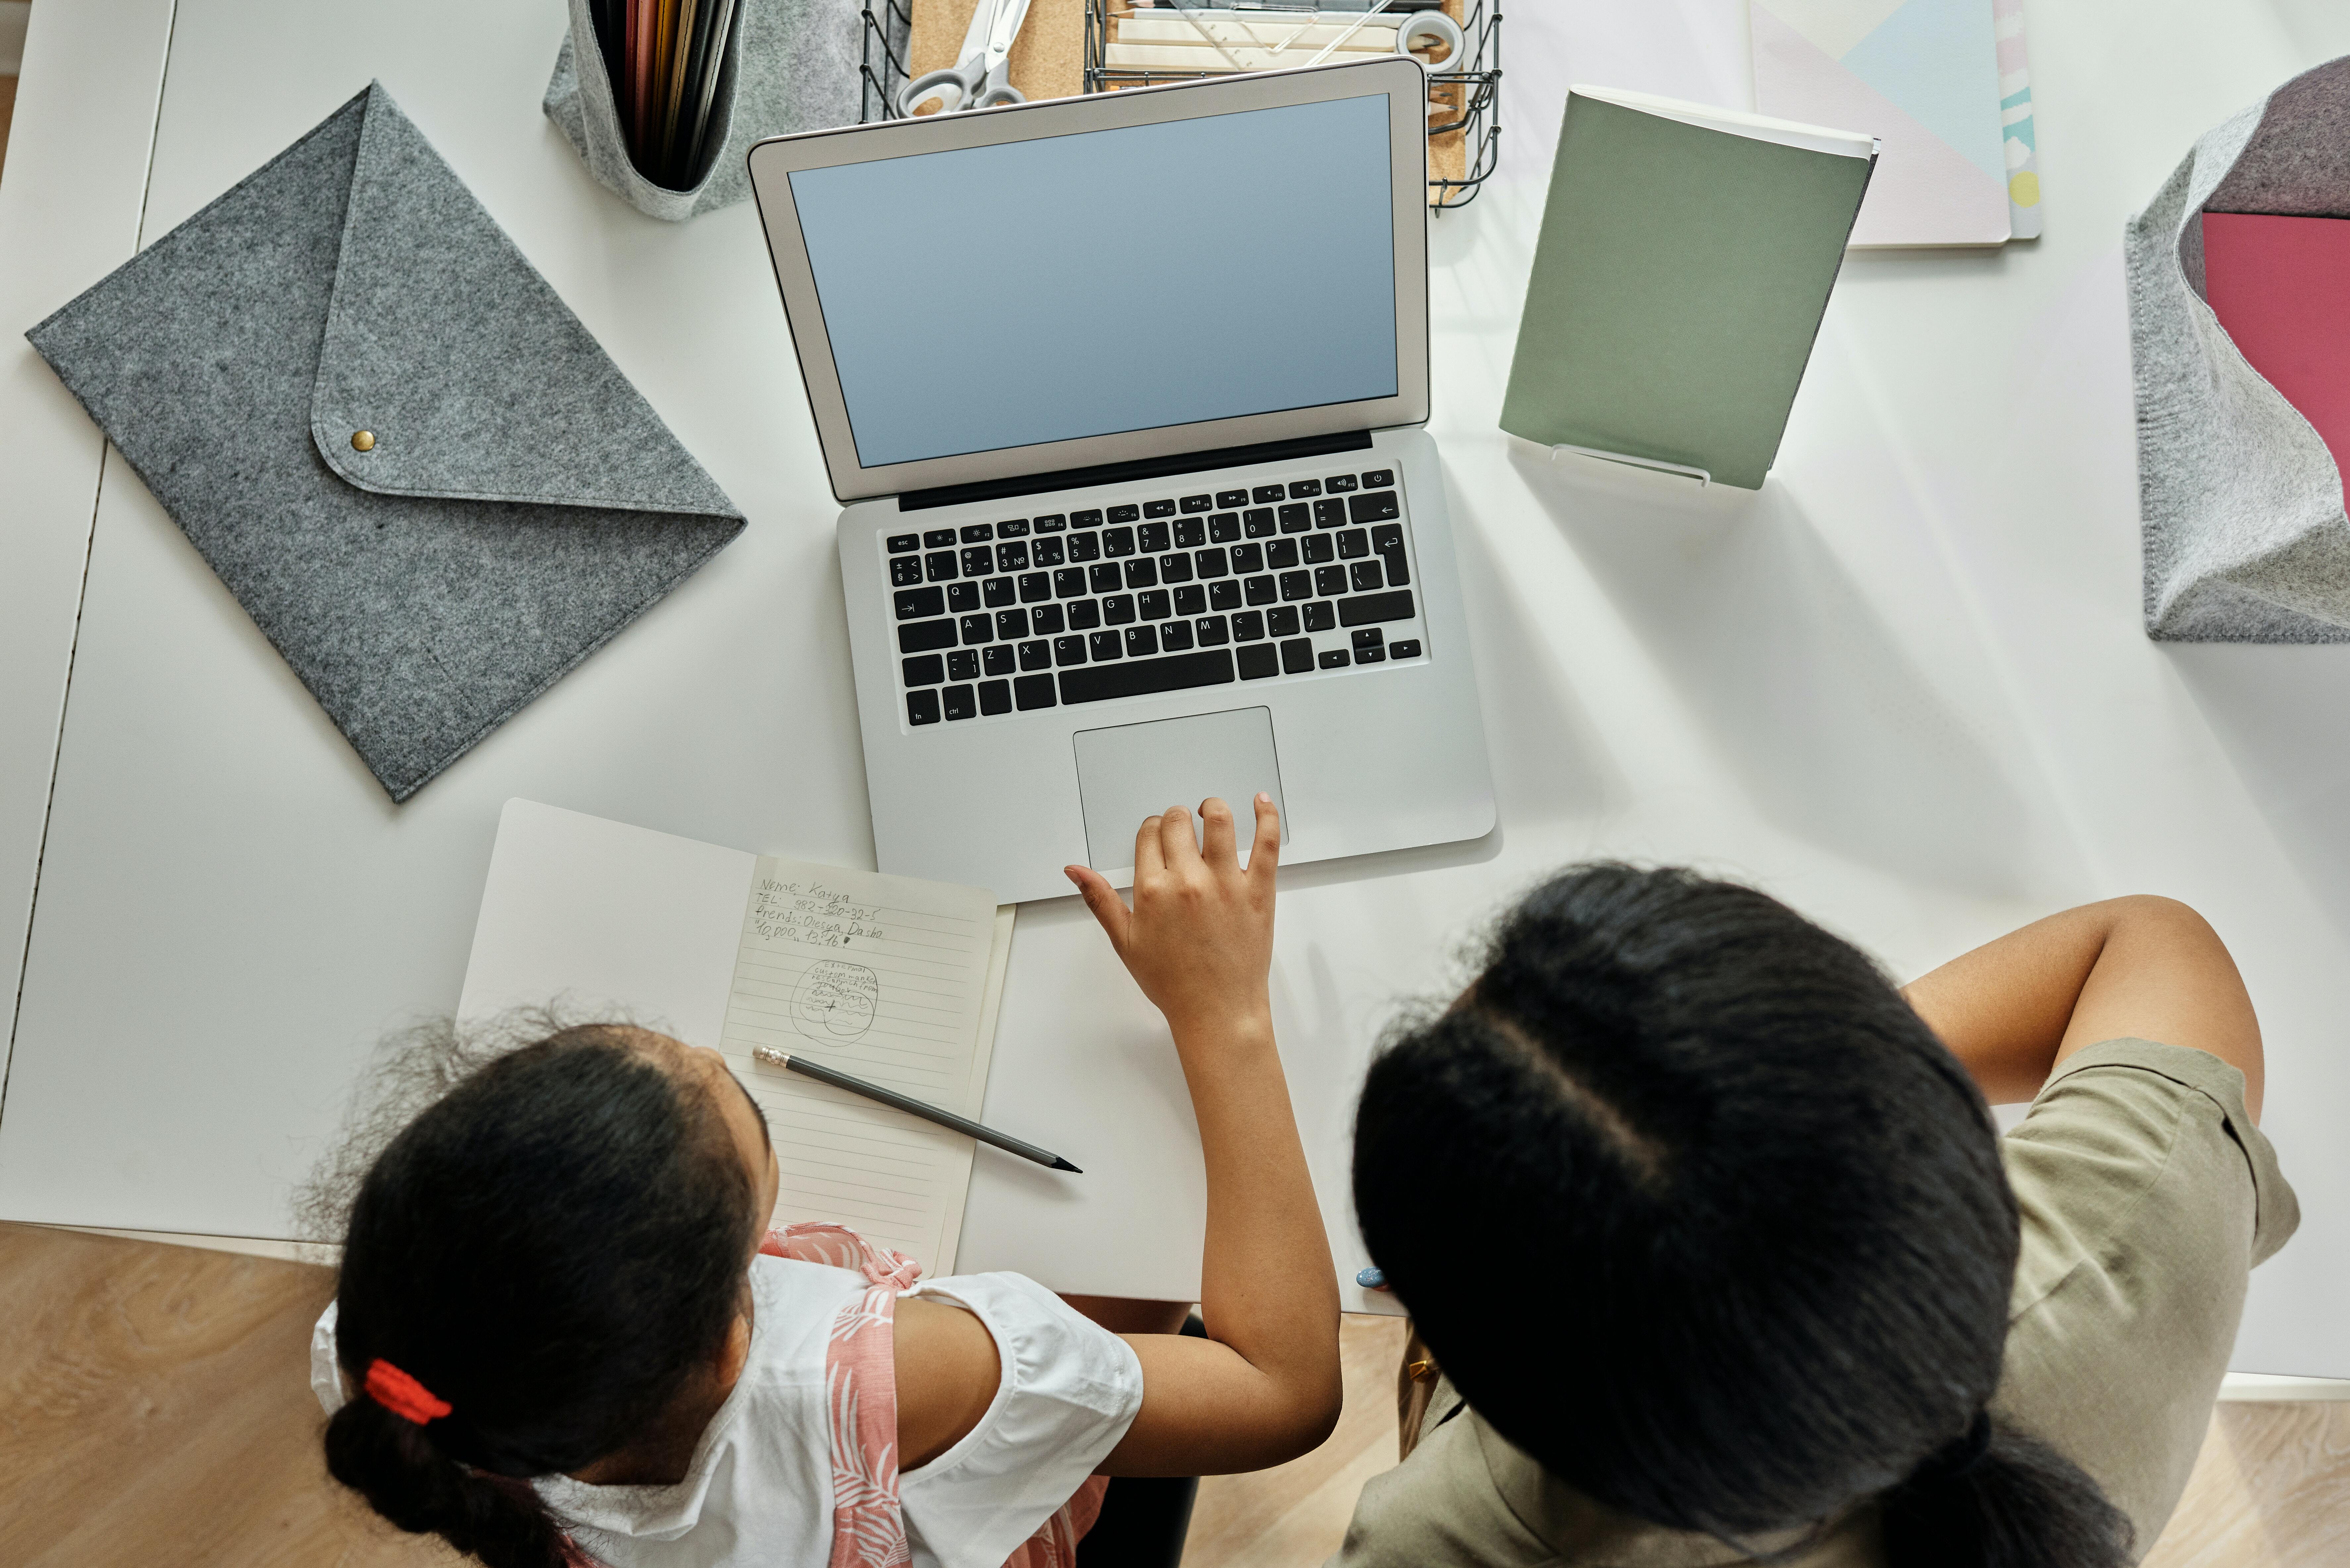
(563, 1335)
(1771, 1288)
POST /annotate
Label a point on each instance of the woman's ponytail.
(388, 1460)
(1999, 1497)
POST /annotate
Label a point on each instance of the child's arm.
(2144, 967)
(1264, 1385)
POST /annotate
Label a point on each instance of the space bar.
(1133, 677)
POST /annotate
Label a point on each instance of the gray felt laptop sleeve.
(520, 503)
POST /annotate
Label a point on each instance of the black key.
(1320, 616)
(1117, 609)
(1264, 493)
(1387, 537)
(1153, 604)
(1256, 663)
(1354, 544)
(1333, 659)
(1371, 607)
(1032, 691)
(1128, 514)
(998, 660)
(1260, 591)
(1192, 600)
(940, 566)
(1281, 620)
(1084, 546)
(1369, 637)
(978, 532)
(938, 538)
(1232, 498)
(923, 669)
(963, 596)
(978, 561)
(1174, 569)
(1158, 509)
(1084, 614)
(1036, 655)
(1176, 674)
(1330, 512)
(1408, 649)
(1330, 581)
(1103, 645)
(1012, 557)
(1118, 541)
(905, 571)
(1035, 586)
(901, 542)
(1320, 548)
(922, 636)
(1338, 483)
(1051, 524)
(1298, 584)
(1012, 625)
(1015, 529)
(1378, 479)
(1107, 577)
(1298, 657)
(913, 602)
(960, 703)
(1190, 533)
(1070, 650)
(1068, 582)
(1199, 503)
(1296, 517)
(1152, 538)
(963, 664)
(1209, 563)
(1213, 630)
(995, 696)
(1248, 627)
(978, 629)
(1142, 574)
(997, 592)
(1257, 522)
(1281, 555)
(1247, 558)
(1046, 619)
(1398, 571)
(1224, 528)
(1374, 506)
(1088, 519)
(1370, 656)
(1224, 596)
(1363, 577)
(1142, 642)
(1049, 551)
(1175, 636)
(921, 707)
(1300, 489)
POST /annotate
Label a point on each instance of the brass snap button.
(363, 441)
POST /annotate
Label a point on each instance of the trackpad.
(1134, 771)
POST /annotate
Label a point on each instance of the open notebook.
(893, 979)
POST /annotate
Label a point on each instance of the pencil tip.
(1060, 1164)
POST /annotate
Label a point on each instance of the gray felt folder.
(429, 486)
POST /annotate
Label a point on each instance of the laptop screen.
(1108, 281)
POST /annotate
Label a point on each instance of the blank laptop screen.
(1109, 281)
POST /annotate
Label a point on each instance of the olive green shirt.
(2148, 1195)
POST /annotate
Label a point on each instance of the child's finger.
(1221, 851)
(1175, 839)
(1264, 855)
(1148, 858)
(1102, 898)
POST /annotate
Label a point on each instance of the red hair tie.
(402, 1394)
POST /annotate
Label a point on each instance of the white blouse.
(759, 1492)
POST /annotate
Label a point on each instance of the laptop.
(1123, 395)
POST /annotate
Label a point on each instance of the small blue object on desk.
(1372, 1279)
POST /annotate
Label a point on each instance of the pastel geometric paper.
(1922, 76)
(2015, 119)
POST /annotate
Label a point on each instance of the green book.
(1686, 257)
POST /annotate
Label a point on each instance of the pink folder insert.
(2281, 288)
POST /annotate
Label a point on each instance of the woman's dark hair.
(1749, 1217)
(552, 1247)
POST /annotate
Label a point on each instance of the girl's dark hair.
(1747, 1213)
(552, 1247)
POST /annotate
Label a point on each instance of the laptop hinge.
(1126, 473)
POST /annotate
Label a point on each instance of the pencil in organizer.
(768, 1057)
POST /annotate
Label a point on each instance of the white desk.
(1905, 687)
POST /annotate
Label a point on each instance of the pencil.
(768, 1057)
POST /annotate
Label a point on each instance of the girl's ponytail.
(388, 1460)
(1999, 1497)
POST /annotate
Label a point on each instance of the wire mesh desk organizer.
(1130, 44)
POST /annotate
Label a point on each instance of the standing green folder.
(1686, 257)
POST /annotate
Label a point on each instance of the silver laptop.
(1123, 396)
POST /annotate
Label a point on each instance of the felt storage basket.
(788, 66)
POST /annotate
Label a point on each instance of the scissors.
(978, 80)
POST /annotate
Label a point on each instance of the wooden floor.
(154, 1409)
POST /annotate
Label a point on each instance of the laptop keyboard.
(1159, 593)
